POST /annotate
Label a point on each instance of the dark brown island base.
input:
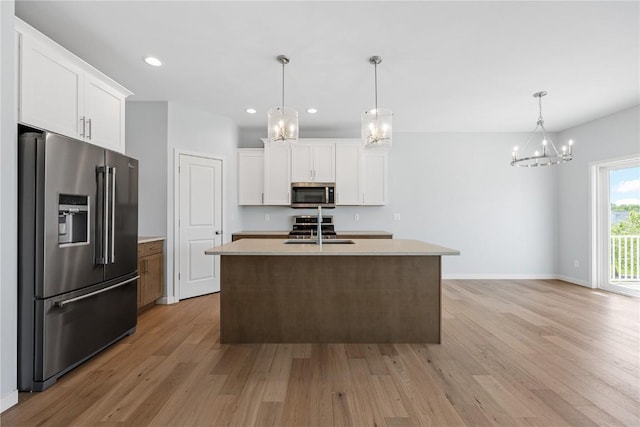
(368, 291)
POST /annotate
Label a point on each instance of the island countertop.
(360, 247)
(147, 239)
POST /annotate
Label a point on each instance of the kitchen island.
(371, 290)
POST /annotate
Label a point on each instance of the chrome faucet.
(319, 232)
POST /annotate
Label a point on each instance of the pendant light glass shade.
(539, 150)
(376, 128)
(377, 122)
(282, 122)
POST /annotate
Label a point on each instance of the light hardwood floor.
(513, 353)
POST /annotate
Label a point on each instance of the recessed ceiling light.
(251, 110)
(154, 62)
(312, 110)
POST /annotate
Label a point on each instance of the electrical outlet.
(576, 263)
(396, 217)
(356, 217)
(267, 217)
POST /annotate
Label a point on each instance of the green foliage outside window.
(628, 265)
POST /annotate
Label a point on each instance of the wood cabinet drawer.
(149, 248)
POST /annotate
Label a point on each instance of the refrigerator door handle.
(113, 215)
(101, 231)
(105, 223)
(117, 285)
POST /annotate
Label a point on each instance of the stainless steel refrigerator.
(78, 231)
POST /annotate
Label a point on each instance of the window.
(617, 225)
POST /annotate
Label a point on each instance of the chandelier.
(545, 152)
(376, 122)
(282, 123)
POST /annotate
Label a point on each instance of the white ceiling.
(447, 66)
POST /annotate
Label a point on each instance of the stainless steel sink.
(315, 242)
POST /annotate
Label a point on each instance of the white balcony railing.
(625, 258)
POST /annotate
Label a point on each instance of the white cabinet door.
(313, 162)
(324, 162)
(277, 174)
(348, 169)
(374, 177)
(50, 89)
(104, 114)
(250, 176)
(301, 162)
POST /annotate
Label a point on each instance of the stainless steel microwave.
(313, 194)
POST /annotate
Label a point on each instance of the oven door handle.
(117, 285)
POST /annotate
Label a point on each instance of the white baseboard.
(9, 400)
(568, 279)
(499, 276)
(167, 300)
(574, 281)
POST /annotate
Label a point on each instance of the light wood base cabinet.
(151, 270)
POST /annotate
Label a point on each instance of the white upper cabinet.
(374, 177)
(324, 162)
(277, 174)
(250, 176)
(313, 162)
(265, 175)
(61, 93)
(103, 114)
(50, 88)
(348, 171)
(301, 163)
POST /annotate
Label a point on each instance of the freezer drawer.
(70, 330)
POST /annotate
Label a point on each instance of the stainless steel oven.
(313, 194)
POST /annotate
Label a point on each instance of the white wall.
(606, 138)
(156, 132)
(458, 190)
(198, 132)
(8, 219)
(249, 137)
(146, 140)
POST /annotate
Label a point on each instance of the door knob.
(218, 232)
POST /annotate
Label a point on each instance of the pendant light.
(282, 123)
(376, 122)
(543, 151)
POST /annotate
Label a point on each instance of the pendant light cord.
(283, 87)
(375, 74)
(540, 105)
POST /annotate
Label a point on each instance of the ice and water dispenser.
(73, 220)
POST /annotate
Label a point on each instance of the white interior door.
(200, 225)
